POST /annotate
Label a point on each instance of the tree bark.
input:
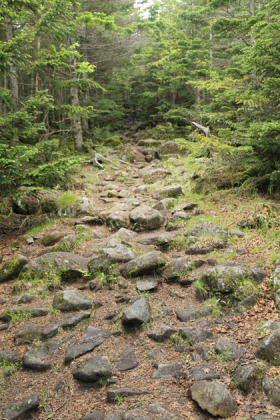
(13, 71)
(76, 120)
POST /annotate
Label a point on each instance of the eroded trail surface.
(117, 310)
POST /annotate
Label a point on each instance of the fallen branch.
(206, 130)
(96, 159)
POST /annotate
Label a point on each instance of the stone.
(155, 175)
(91, 339)
(145, 218)
(264, 417)
(204, 372)
(125, 235)
(112, 393)
(214, 397)
(270, 325)
(163, 334)
(118, 219)
(180, 269)
(70, 266)
(195, 335)
(20, 408)
(228, 349)
(178, 215)
(9, 356)
(246, 303)
(245, 377)
(147, 285)
(27, 298)
(78, 207)
(272, 390)
(34, 358)
(89, 220)
(137, 313)
(97, 368)
(95, 415)
(127, 360)
(115, 416)
(101, 263)
(112, 314)
(223, 278)
(144, 264)
(9, 313)
(269, 348)
(52, 238)
(71, 300)
(171, 191)
(149, 142)
(169, 147)
(167, 371)
(208, 229)
(184, 207)
(117, 252)
(161, 239)
(205, 246)
(12, 267)
(186, 316)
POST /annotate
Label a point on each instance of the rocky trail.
(129, 305)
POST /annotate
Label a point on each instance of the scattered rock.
(18, 409)
(95, 415)
(147, 285)
(9, 313)
(112, 393)
(71, 300)
(205, 372)
(246, 303)
(34, 358)
(272, 390)
(118, 252)
(169, 147)
(171, 191)
(269, 348)
(208, 229)
(145, 264)
(162, 239)
(124, 235)
(166, 371)
(195, 335)
(186, 316)
(155, 175)
(27, 298)
(9, 356)
(180, 269)
(97, 368)
(163, 334)
(137, 313)
(127, 360)
(245, 377)
(214, 397)
(146, 218)
(228, 349)
(52, 238)
(12, 267)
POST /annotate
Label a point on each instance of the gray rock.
(71, 300)
(169, 147)
(127, 360)
(246, 303)
(112, 314)
(184, 207)
(269, 348)
(115, 416)
(270, 325)
(205, 372)
(52, 238)
(3, 327)
(118, 219)
(272, 390)
(228, 349)
(146, 218)
(18, 409)
(214, 397)
(245, 377)
(208, 229)
(97, 368)
(34, 358)
(137, 313)
(112, 393)
(95, 415)
(87, 343)
(179, 215)
(145, 264)
(79, 207)
(161, 239)
(9, 313)
(195, 335)
(223, 278)
(101, 263)
(180, 269)
(155, 175)
(30, 241)
(264, 417)
(124, 235)
(12, 267)
(69, 265)
(206, 246)
(119, 252)
(147, 285)
(69, 321)
(9, 356)
(166, 371)
(163, 334)
(171, 191)
(186, 316)
(27, 298)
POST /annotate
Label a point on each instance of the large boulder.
(146, 218)
(96, 369)
(70, 266)
(12, 267)
(17, 410)
(145, 264)
(137, 313)
(214, 397)
(171, 191)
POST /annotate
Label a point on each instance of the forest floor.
(125, 184)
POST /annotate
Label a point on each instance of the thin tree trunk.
(37, 74)
(76, 120)
(13, 71)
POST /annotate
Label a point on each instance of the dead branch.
(206, 130)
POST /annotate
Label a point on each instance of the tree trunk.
(76, 120)
(13, 71)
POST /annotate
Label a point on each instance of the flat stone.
(208, 229)
(95, 369)
(245, 377)
(186, 316)
(205, 372)
(167, 371)
(70, 266)
(184, 207)
(147, 285)
(195, 335)
(246, 303)
(71, 300)
(112, 393)
(137, 313)
(144, 264)
(163, 334)
(214, 397)
(269, 348)
(171, 191)
(15, 410)
(34, 358)
(146, 218)
(125, 235)
(8, 314)
(180, 269)
(9, 356)
(162, 239)
(127, 360)
(117, 252)
(12, 268)
(230, 350)
(87, 343)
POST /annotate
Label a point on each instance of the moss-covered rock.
(12, 267)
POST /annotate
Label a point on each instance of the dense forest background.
(75, 75)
